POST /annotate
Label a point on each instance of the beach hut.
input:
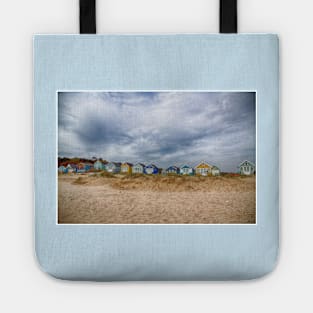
(99, 165)
(204, 169)
(62, 169)
(81, 168)
(164, 172)
(172, 170)
(246, 168)
(113, 167)
(89, 166)
(138, 168)
(151, 169)
(126, 168)
(71, 168)
(186, 170)
(216, 171)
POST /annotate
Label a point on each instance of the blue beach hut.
(151, 169)
(186, 170)
(62, 169)
(172, 170)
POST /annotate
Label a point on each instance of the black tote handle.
(228, 16)
(87, 16)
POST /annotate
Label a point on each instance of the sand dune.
(117, 199)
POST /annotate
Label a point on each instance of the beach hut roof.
(141, 164)
(247, 162)
(152, 165)
(102, 161)
(204, 162)
(116, 163)
(186, 166)
(129, 164)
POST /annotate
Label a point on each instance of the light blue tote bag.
(156, 156)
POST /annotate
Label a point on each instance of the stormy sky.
(165, 128)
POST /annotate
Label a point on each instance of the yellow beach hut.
(127, 168)
(204, 169)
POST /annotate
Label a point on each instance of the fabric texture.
(160, 62)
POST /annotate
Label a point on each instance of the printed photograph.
(171, 157)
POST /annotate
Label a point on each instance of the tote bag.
(156, 156)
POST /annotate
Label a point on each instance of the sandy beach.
(117, 199)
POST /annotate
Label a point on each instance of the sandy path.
(80, 203)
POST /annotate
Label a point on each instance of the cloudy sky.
(165, 128)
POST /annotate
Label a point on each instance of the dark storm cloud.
(160, 127)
